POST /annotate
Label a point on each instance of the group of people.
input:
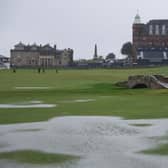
(39, 70)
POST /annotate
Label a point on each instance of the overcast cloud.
(77, 24)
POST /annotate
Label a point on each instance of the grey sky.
(77, 24)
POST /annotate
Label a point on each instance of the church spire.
(95, 52)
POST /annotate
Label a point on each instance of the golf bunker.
(99, 141)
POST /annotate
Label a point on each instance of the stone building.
(151, 40)
(32, 56)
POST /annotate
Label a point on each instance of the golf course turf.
(36, 157)
(68, 86)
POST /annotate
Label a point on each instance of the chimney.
(55, 47)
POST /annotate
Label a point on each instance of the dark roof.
(158, 21)
(43, 49)
(59, 51)
(20, 44)
(47, 46)
(34, 45)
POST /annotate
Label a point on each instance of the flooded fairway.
(101, 142)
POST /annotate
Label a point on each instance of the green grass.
(160, 150)
(28, 130)
(37, 157)
(68, 85)
(141, 125)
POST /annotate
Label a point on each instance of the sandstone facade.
(29, 56)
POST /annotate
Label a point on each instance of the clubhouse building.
(33, 56)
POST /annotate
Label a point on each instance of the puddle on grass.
(84, 100)
(101, 141)
(79, 101)
(29, 104)
(32, 88)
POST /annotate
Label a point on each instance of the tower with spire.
(138, 28)
(137, 19)
(95, 52)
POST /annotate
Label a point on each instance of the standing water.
(101, 142)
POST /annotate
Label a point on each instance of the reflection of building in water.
(40, 56)
(151, 40)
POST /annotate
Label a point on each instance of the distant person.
(14, 70)
(39, 70)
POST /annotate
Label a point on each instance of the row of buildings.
(150, 41)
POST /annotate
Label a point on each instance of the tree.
(129, 49)
(110, 56)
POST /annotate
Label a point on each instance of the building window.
(157, 30)
(164, 55)
(150, 29)
(164, 30)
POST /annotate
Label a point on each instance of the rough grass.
(80, 84)
(37, 157)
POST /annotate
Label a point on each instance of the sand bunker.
(29, 104)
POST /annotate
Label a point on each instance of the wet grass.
(160, 150)
(28, 130)
(141, 125)
(37, 157)
(80, 84)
